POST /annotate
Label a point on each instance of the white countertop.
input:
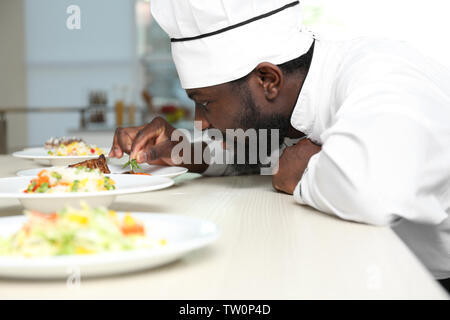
(270, 248)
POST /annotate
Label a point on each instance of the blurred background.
(116, 69)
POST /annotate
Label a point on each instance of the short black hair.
(300, 64)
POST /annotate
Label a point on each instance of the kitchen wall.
(423, 24)
(63, 65)
(12, 69)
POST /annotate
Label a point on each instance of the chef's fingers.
(151, 153)
(147, 135)
(123, 140)
(116, 150)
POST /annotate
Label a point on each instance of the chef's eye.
(204, 105)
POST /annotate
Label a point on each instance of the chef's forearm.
(381, 189)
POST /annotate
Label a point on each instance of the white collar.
(304, 113)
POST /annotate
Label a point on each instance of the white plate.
(183, 234)
(154, 170)
(41, 154)
(157, 171)
(125, 184)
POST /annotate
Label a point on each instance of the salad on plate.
(77, 232)
(75, 148)
(62, 179)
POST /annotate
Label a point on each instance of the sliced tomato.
(41, 173)
(49, 217)
(52, 217)
(43, 179)
(137, 229)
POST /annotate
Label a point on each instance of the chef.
(373, 113)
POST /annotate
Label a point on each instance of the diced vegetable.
(75, 186)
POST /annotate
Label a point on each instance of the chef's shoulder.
(368, 59)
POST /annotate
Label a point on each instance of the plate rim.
(168, 175)
(18, 154)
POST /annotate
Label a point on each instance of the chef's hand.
(150, 143)
(123, 140)
(292, 164)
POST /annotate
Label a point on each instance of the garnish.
(132, 163)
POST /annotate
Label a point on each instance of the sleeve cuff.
(300, 191)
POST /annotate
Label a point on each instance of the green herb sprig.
(132, 163)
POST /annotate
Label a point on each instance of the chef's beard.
(252, 118)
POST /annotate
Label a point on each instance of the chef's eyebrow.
(192, 95)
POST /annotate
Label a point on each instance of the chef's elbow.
(361, 203)
(366, 206)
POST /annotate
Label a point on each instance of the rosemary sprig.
(132, 163)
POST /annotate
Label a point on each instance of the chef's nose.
(201, 123)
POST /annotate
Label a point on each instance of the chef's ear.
(270, 77)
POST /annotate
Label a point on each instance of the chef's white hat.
(217, 41)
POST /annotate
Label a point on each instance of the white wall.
(64, 64)
(423, 24)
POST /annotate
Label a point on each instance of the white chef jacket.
(381, 112)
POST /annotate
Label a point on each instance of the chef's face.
(238, 105)
(246, 104)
